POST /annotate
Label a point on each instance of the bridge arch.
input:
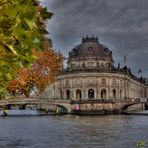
(63, 108)
(126, 106)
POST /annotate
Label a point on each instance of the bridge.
(66, 106)
(43, 105)
(126, 105)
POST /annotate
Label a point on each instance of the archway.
(114, 93)
(90, 94)
(61, 94)
(120, 93)
(68, 94)
(103, 94)
(78, 94)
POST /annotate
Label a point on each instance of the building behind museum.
(91, 74)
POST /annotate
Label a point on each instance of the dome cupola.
(90, 54)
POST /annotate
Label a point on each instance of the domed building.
(91, 75)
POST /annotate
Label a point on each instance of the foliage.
(37, 77)
(22, 28)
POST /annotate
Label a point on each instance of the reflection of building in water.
(91, 74)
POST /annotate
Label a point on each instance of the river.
(70, 131)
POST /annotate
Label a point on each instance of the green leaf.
(45, 14)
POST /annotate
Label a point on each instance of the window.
(61, 94)
(103, 81)
(121, 83)
(90, 49)
(67, 82)
(91, 94)
(113, 81)
(114, 93)
(91, 81)
(78, 82)
(103, 94)
(78, 94)
(102, 65)
(120, 93)
(106, 65)
(68, 94)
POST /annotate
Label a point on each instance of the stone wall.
(103, 108)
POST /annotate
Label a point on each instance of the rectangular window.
(67, 82)
(103, 82)
(113, 81)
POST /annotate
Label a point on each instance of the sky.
(121, 25)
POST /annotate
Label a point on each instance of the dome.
(90, 54)
(90, 47)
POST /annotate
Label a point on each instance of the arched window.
(61, 94)
(114, 93)
(78, 94)
(120, 93)
(103, 94)
(90, 94)
(68, 94)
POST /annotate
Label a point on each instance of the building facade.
(91, 74)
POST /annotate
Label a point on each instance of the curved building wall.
(95, 86)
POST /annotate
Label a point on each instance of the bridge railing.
(126, 100)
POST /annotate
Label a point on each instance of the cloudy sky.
(121, 25)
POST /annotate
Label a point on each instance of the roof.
(90, 47)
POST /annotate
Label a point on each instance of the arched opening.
(90, 94)
(68, 94)
(78, 94)
(120, 93)
(61, 94)
(103, 94)
(114, 93)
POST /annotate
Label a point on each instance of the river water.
(70, 131)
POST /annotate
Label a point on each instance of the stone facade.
(91, 75)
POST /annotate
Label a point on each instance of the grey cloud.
(120, 25)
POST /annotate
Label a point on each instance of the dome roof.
(90, 47)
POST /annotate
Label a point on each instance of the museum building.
(91, 74)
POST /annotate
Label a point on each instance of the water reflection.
(67, 131)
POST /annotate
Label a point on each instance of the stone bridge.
(63, 106)
(66, 106)
(126, 106)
